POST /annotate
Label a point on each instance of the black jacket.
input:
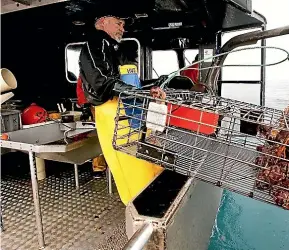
(99, 60)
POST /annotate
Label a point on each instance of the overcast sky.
(277, 14)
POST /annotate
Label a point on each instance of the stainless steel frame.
(217, 149)
(40, 140)
(76, 176)
(109, 181)
(36, 199)
(140, 237)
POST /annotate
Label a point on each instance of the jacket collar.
(104, 35)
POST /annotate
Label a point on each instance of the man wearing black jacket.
(100, 75)
(99, 61)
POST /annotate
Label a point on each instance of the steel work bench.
(50, 142)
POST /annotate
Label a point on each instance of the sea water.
(243, 223)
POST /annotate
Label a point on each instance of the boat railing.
(140, 238)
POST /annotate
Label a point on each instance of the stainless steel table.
(51, 142)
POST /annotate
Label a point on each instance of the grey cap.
(101, 16)
(128, 20)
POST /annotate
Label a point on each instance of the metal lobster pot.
(181, 210)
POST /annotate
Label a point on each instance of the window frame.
(82, 43)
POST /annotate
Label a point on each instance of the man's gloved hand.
(160, 80)
(86, 112)
(120, 87)
(155, 83)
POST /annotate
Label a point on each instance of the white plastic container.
(7, 80)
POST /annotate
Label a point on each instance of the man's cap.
(128, 20)
(102, 16)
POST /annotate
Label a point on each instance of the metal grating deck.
(88, 219)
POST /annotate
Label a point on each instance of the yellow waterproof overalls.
(131, 175)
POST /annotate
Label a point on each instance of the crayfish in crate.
(274, 161)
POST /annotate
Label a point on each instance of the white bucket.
(7, 80)
(6, 96)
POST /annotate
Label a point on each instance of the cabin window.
(129, 46)
(164, 62)
(189, 56)
(72, 53)
(247, 91)
(245, 57)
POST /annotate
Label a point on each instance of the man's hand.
(157, 92)
(86, 112)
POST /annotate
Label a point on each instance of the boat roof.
(154, 15)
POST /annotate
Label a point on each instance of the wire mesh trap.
(235, 145)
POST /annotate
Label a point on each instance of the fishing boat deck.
(88, 218)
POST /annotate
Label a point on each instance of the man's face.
(114, 27)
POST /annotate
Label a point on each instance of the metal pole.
(218, 48)
(36, 200)
(201, 57)
(76, 176)
(1, 222)
(140, 238)
(109, 180)
(263, 70)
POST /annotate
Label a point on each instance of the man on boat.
(102, 76)
(99, 62)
